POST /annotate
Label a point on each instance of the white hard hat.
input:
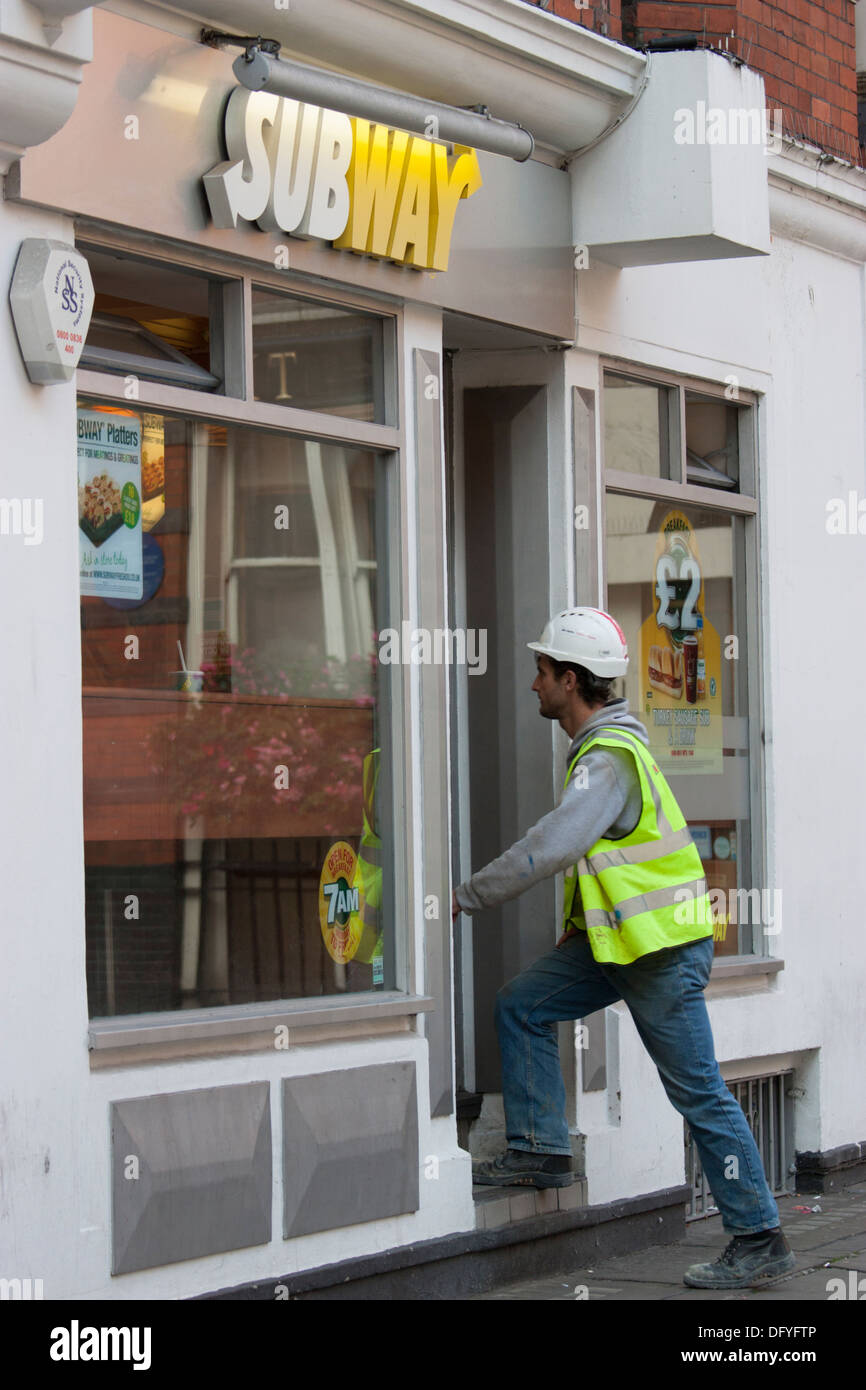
(589, 638)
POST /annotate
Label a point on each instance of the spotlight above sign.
(259, 68)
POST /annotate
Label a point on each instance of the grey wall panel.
(350, 1147)
(191, 1175)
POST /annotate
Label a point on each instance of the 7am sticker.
(338, 903)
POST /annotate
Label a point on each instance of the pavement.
(828, 1238)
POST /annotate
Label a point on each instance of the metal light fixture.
(259, 68)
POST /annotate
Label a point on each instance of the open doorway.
(498, 409)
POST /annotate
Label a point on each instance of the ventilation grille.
(767, 1107)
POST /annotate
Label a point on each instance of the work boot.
(517, 1168)
(745, 1262)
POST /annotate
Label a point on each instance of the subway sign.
(310, 172)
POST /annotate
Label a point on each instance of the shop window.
(238, 847)
(679, 581)
(317, 356)
(156, 322)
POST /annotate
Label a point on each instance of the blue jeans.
(665, 996)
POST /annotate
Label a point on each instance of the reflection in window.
(317, 356)
(229, 746)
(636, 426)
(712, 442)
(153, 318)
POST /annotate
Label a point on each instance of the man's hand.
(456, 909)
(565, 935)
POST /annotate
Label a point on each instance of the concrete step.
(501, 1206)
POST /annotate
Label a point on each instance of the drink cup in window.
(690, 662)
(189, 681)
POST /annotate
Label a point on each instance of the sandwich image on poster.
(109, 503)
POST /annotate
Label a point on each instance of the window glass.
(676, 581)
(637, 426)
(235, 798)
(317, 356)
(148, 310)
(712, 442)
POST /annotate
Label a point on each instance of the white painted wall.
(45, 1136)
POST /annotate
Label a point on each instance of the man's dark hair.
(592, 689)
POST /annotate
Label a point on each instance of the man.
(637, 926)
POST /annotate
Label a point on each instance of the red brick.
(673, 17)
(820, 109)
(780, 68)
(767, 63)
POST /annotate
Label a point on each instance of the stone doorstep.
(475, 1261)
(502, 1206)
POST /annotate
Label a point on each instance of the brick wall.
(602, 16)
(804, 51)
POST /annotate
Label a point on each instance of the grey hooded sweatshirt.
(609, 804)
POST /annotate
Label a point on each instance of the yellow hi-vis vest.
(645, 891)
(368, 874)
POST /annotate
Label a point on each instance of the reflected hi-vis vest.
(645, 891)
(368, 874)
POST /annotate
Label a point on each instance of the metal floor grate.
(767, 1107)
